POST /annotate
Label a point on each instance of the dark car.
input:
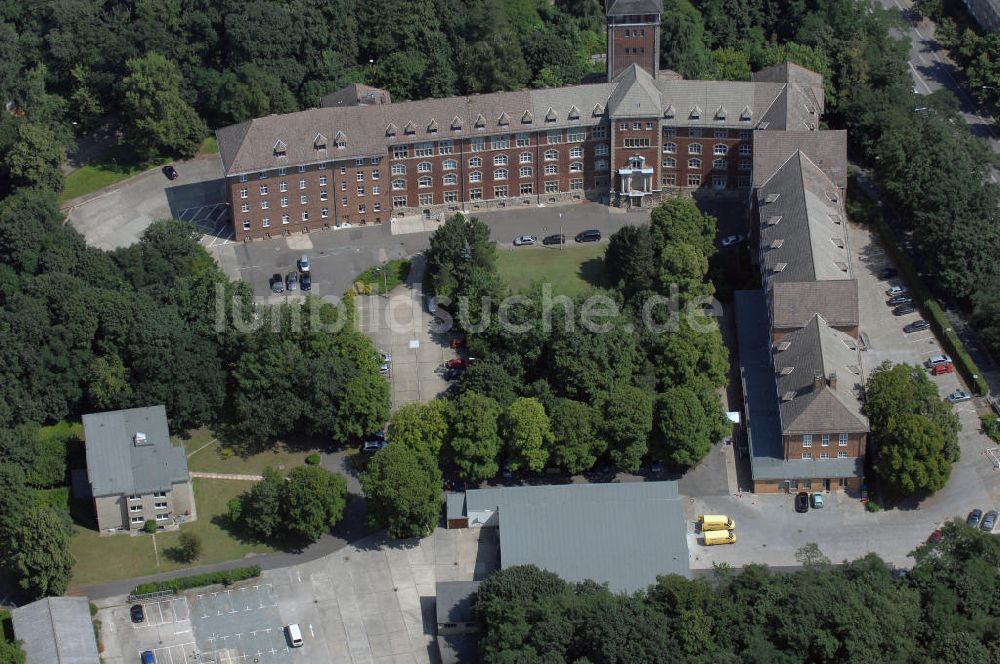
(802, 502)
(453, 373)
(974, 517)
(306, 281)
(916, 326)
(888, 273)
(554, 239)
(147, 657)
(292, 281)
(589, 236)
(899, 299)
(374, 443)
(138, 615)
(989, 521)
(170, 172)
(277, 283)
(904, 310)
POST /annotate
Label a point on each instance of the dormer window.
(280, 149)
(695, 113)
(669, 111)
(777, 244)
(746, 114)
(504, 119)
(432, 127)
(779, 267)
(598, 110)
(480, 121)
(410, 129)
(527, 118)
(574, 113)
(319, 143)
(721, 113)
(456, 123)
(390, 129)
(340, 140)
(550, 116)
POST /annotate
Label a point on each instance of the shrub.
(188, 547)
(313, 459)
(226, 578)
(149, 526)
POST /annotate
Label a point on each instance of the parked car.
(147, 657)
(524, 240)
(292, 281)
(656, 467)
(897, 290)
(306, 281)
(917, 326)
(817, 501)
(888, 273)
(554, 239)
(989, 521)
(277, 283)
(732, 240)
(457, 342)
(935, 536)
(589, 236)
(899, 299)
(457, 363)
(974, 517)
(170, 172)
(385, 363)
(137, 613)
(374, 442)
(802, 502)
(304, 263)
(958, 396)
(935, 360)
(454, 373)
(904, 310)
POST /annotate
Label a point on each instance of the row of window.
(157, 494)
(824, 455)
(138, 508)
(360, 161)
(502, 142)
(159, 517)
(807, 440)
(696, 132)
(499, 192)
(718, 164)
(498, 174)
(719, 149)
(694, 180)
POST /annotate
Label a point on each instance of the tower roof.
(622, 7)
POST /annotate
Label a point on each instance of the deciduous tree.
(527, 434)
(403, 491)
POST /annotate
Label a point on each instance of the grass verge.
(120, 162)
(373, 282)
(570, 270)
(209, 146)
(863, 210)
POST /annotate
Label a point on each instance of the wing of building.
(56, 630)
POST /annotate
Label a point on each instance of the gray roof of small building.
(794, 303)
(355, 94)
(56, 630)
(459, 648)
(827, 149)
(763, 418)
(115, 465)
(800, 104)
(455, 505)
(454, 601)
(623, 7)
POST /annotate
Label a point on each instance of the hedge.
(864, 210)
(226, 578)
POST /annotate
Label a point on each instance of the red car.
(456, 363)
(935, 536)
(457, 342)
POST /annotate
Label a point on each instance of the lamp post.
(562, 238)
(385, 283)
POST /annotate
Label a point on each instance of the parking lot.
(240, 625)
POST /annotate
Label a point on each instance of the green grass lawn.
(206, 454)
(209, 146)
(396, 272)
(102, 559)
(571, 270)
(118, 163)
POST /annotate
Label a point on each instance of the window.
(245, 208)
(670, 132)
(637, 142)
(807, 440)
(343, 201)
(135, 508)
(263, 174)
(343, 170)
(424, 167)
(478, 144)
(550, 155)
(743, 181)
(265, 205)
(500, 192)
(375, 175)
(160, 506)
(694, 132)
(361, 208)
(322, 195)
(670, 148)
(525, 158)
(600, 131)
(525, 172)
(398, 185)
(825, 440)
(694, 148)
(398, 152)
(361, 191)
(525, 188)
(552, 187)
(446, 147)
(500, 160)
(266, 222)
(719, 149)
(500, 174)
(746, 149)
(451, 197)
(376, 207)
(424, 182)
(285, 219)
(283, 186)
(246, 224)
(302, 184)
(475, 176)
(669, 178)
(475, 162)
(719, 181)
(322, 167)
(243, 178)
(670, 162)
(719, 164)
(399, 169)
(522, 140)
(721, 133)
(554, 137)
(425, 199)
(137, 519)
(476, 194)
(500, 142)
(423, 150)
(303, 199)
(162, 517)
(376, 190)
(576, 153)
(601, 150)
(841, 454)
(694, 163)
(807, 455)
(744, 164)
(576, 135)
(302, 169)
(622, 126)
(601, 165)
(449, 164)
(324, 213)
(450, 178)
(263, 190)
(745, 134)
(576, 167)
(637, 126)
(551, 169)
(576, 184)
(694, 180)
(842, 440)
(398, 201)
(343, 185)
(359, 176)
(824, 455)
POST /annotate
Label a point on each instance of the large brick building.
(630, 140)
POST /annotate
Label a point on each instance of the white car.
(935, 360)
(525, 240)
(731, 240)
(897, 290)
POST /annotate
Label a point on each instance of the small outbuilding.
(56, 630)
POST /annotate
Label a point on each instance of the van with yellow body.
(719, 537)
(715, 522)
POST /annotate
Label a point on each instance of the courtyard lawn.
(209, 146)
(571, 270)
(119, 162)
(206, 454)
(102, 559)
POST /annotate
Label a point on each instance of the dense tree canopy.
(403, 490)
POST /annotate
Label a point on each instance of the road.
(933, 70)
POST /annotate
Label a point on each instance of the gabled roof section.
(432, 126)
(624, 7)
(550, 115)
(391, 129)
(793, 304)
(635, 95)
(409, 128)
(827, 149)
(504, 119)
(801, 103)
(355, 94)
(56, 630)
(574, 112)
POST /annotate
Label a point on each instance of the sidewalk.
(227, 476)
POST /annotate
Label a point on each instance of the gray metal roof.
(624, 534)
(827, 149)
(623, 7)
(116, 465)
(635, 95)
(454, 601)
(56, 630)
(455, 505)
(801, 103)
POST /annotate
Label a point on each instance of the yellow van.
(720, 537)
(715, 522)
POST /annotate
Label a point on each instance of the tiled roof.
(801, 102)
(355, 94)
(622, 7)
(827, 149)
(634, 95)
(794, 303)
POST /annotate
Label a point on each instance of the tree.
(682, 39)
(260, 510)
(422, 427)
(34, 159)
(630, 260)
(251, 92)
(913, 456)
(188, 546)
(314, 501)
(628, 420)
(575, 443)
(527, 434)
(729, 64)
(36, 550)
(688, 421)
(474, 444)
(402, 489)
(161, 121)
(364, 406)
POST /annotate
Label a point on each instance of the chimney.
(833, 380)
(140, 439)
(818, 380)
